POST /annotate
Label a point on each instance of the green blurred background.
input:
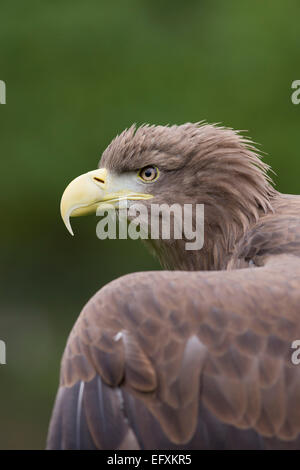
(77, 73)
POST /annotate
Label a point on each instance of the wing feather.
(163, 369)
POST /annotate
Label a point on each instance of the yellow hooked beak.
(86, 193)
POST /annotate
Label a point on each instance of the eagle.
(201, 354)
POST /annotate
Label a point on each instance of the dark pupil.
(148, 173)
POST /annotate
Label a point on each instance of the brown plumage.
(197, 357)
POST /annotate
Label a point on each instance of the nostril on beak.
(99, 180)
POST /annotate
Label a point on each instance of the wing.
(164, 360)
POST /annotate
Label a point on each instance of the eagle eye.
(148, 173)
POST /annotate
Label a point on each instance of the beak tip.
(66, 221)
(69, 228)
